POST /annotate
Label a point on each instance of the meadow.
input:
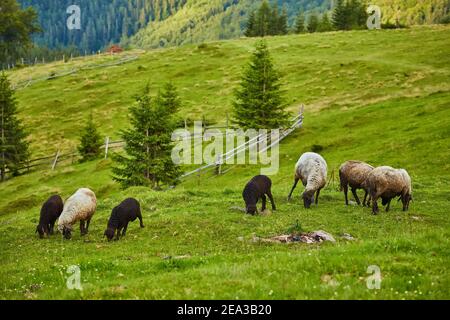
(382, 97)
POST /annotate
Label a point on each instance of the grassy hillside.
(381, 97)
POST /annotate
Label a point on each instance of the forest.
(160, 23)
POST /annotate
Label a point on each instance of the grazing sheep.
(311, 168)
(258, 187)
(50, 212)
(121, 215)
(353, 173)
(387, 183)
(79, 207)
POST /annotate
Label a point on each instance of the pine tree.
(258, 101)
(300, 23)
(325, 24)
(313, 23)
(90, 141)
(13, 146)
(283, 22)
(250, 28)
(148, 146)
(263, 20)
(273, 21)
(340, 16)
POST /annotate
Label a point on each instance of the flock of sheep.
(80, 207)
(382, 182)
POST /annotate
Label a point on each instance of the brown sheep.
(353, 173)
(387, 183)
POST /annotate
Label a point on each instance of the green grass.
(381, 97)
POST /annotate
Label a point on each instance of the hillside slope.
(381, 97)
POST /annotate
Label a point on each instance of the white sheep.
(311, 168)
(388, 183)
(79, 207)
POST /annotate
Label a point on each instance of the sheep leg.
(356, 196)
(87, 225)
(293, 188)
(365, 198)
(124, 232)
(118, 233)
(317, 196)
(388, 205)
(269, 194)
(82, 230)
(374, 205)
(51, 227)
(264, 199)
(140, 220)
(345, 187)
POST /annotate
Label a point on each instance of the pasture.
(382, 97)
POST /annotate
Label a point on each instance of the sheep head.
(109, 233)
(308, 198)
(67, 233)
(251, 209)
(41, 230)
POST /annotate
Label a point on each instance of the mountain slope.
(381, 97)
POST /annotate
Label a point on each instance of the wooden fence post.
(55, 161)
(106, 147)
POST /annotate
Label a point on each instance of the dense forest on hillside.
(159, 23)
(102, 21)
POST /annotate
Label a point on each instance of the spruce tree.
(300, 23)
(250, 28)
(283, 22)
(262, 21)
(147, 160)
(340, 16)
(273, 20)
(313, 22)
(90, 141)
(258, 101)
(13, 145)
(325, 24)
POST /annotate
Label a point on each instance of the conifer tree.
(147, 160)
(283, 22)
(13, 145)
(313, 22)
(300, 23)
(274, 21)
(90, 141)
(325, 24)
(263, 20)
(250, 28)
(340, 16)
(258, 101)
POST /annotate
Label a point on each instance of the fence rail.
(57, 159)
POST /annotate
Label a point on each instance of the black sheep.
(50, 212)
(121, 215)
(257, 188)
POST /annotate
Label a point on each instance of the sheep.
(311, 168)
(258, 187)
(353, 173)
(50, 212)
(387, 183)
(79, 207)
(121, 215)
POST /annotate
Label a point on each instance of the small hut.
(114, 49)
